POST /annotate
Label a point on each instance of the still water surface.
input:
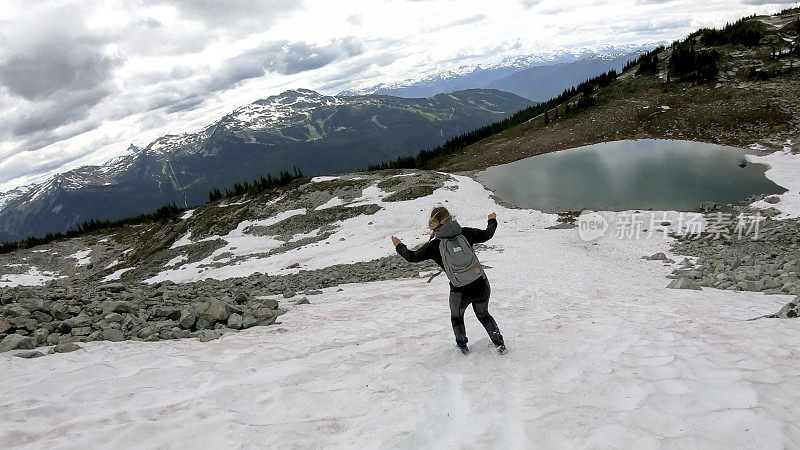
(634, 174)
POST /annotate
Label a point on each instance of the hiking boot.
(497, 339)
(461, 343)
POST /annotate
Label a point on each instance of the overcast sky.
(80, 80)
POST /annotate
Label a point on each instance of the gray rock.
(66, 347)
(683, 283)
(188, 318)
(169, 312)
(15, 310)
(235, 321)
(33, 304)
(81, 331)
(208, 335)
(233, 308)
(59, 312)
(289, 294)
(241, 298)
(790, 310)
(270, 303)
(5, 325)
(113, 318)
(708, 206)
(118, 307)
(772, 199)
(112, 335)
(29, 354)
(53, 338)
(16, 342)
(113, 287)
(263, 313)
(249, 321)
(79, 321)
(303, 301)
(40, 316)
(147, 333)
(210, 313)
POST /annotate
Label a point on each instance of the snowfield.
(601, 354)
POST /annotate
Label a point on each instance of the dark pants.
(479, 297)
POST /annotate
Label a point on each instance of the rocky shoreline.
(63, 312)
(722, 259)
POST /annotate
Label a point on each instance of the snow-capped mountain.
(301, 128)
(577, 64)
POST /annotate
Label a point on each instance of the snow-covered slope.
(601, 355)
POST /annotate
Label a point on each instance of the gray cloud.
(66, 107)
(284, 58)
(530, 3)
(55, 66)
(769, 2)
(233, 16)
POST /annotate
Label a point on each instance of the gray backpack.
(459, 260)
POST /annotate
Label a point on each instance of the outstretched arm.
(420, 254)
(476, 236)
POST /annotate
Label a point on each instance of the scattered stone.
(118, 307)
(303, 301)
(293, 266)
(212, 312)
(5, 325)
(683, 283)
(208, 335)
(241, 298)
(235, 321)
(113, 287)
(270, 303)
(66, 347)
(188, 318)
(708, 206)
(29, 354)
(113, 318)
(169, 312)
(772, 199)
(16, 342)
(112, 335)
(790, 310)
(81, 331)
(289, 294)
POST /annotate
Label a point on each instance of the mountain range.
(535, 77)
(299, 128)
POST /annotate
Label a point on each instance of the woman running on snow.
(450, 246)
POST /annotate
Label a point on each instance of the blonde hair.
(439, 216)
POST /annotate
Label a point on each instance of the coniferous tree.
(546, 118)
